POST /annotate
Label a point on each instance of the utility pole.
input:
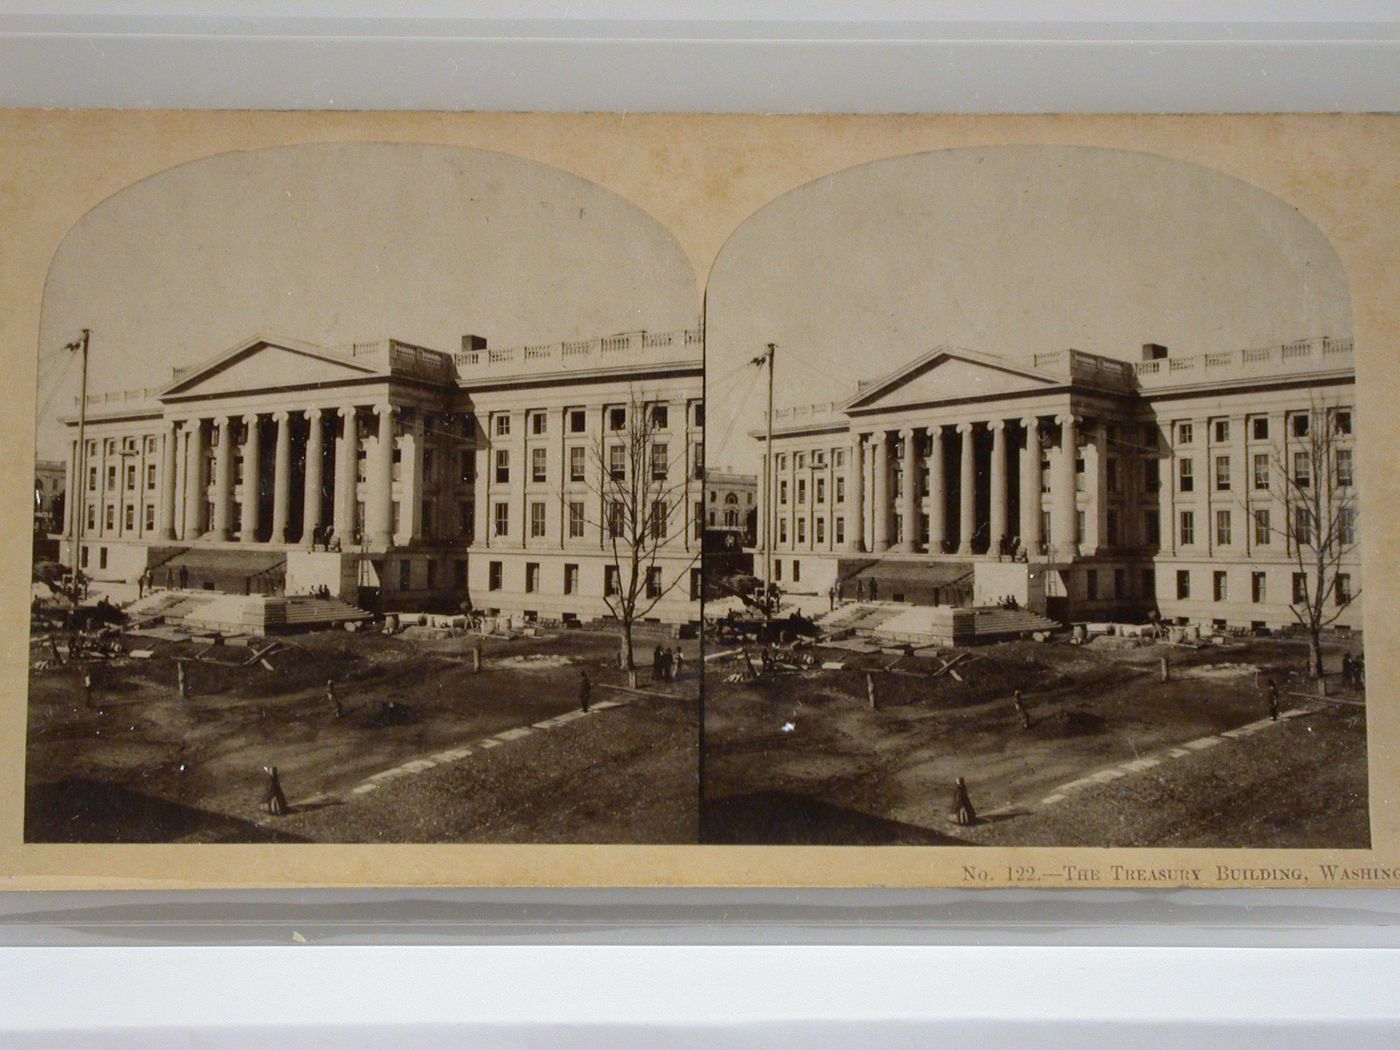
(80, 468)
(769, 481)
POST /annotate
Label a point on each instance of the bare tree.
(639, 489)
(1312, 479)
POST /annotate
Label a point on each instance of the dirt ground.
(804, 759)
(142, 765)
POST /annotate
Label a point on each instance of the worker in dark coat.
(585, 691)
(962, 812)
(1348, 669)
(1021, 711)
(1273, 700)
(656, 658)
(334, 700)
(273, 800)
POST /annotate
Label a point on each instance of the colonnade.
(876, 451)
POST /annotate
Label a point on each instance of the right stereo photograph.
(1031, 512)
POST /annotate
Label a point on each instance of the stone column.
(1031, 538)
(281, 478)
(1096, 496)
(252, 480)
(311, 492)
(996, 532)
(855, 497)
(410, 483)
(167, 483)
(379, 501)
(347, 448)
(881, 493)
(967, 495)
(937, 493)
(909, 509)
(223, 479)
(1064, 527)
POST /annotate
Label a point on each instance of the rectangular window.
(1342, 590)
(532, 577)
(839, 531)
(1222, 586)
(536, 520)
(660, 417)
(1222, 527)
(796, 571)
(782, 491)
(575, 519)
(840, 490)
(1346, 526)
(1183, 433)
(782, 530)
(799, 460)
(616, 520)
(150, 516)
(1302, 470)
(838, 457)
(111, 522)
(1091, 584)
(617, 419)
(1299, 424)
(1258, 587)
(577, 463)
(1183, 584)
(502, 519)
(801, 530)
(1261, 470)
(653, 582)
(1222, 473)
(539, 423)
(819, 529)
(1300, 588)
(503, 425)
(617, 462)
(1262, 527)
(405, 574)
(1188, 527)
(578, 420)
(101, 557)
(1188, 479)
(1222, 431)
(129, 518)
(502, 466)
(697, 457)
(697, 413)
(697, 583)
(570, 578)
(659, 513)
(821, 490)
(92, 479)
(660, 457)
(778, 568)
(91, 516)
(150, 476)
(1302, 526)
(1344, 478)
(1153, 520)
(83, 557)
(1259, 428)
(1341, 423)
(112, 477)
(539, 464)
(496, 574)
(1153, 468)
(801, 490)
(612, 581)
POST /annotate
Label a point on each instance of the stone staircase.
(259, 614)
(991, 624)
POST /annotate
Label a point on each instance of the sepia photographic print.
(580, 500)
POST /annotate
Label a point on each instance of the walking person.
(334, 700)
(1348, 670)
(677, 662)
(656, 663)
(585, 691)
(962, 812)
(1273, 700)
(87, 688)
(1021, 711)
(273, 800)
(668, 665)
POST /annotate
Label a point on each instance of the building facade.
(731, 508)
(50, 477)
(1085, 485)
(394, 475)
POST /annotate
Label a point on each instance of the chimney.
(473, 342)
(1153, 351)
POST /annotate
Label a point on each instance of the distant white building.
(50, 478)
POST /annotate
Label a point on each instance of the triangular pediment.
(265, 364)
(948, 374)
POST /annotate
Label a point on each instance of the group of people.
(320, 591)
(1354, 670)
(666, 664)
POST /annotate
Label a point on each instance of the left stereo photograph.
(368, 508)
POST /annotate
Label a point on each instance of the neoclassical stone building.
(392, 474)
(1084, 485)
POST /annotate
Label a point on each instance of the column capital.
(385, 409)
(346, 411)
(906, 434)
(1030, 421)
(934, 431)
(314, 414)
(1068, 419)
(965, 428)
(251, 418)
(996, 426)
(281, 416)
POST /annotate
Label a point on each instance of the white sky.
(1006, 250)
(347, 242)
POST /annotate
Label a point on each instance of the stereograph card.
(583, 500)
